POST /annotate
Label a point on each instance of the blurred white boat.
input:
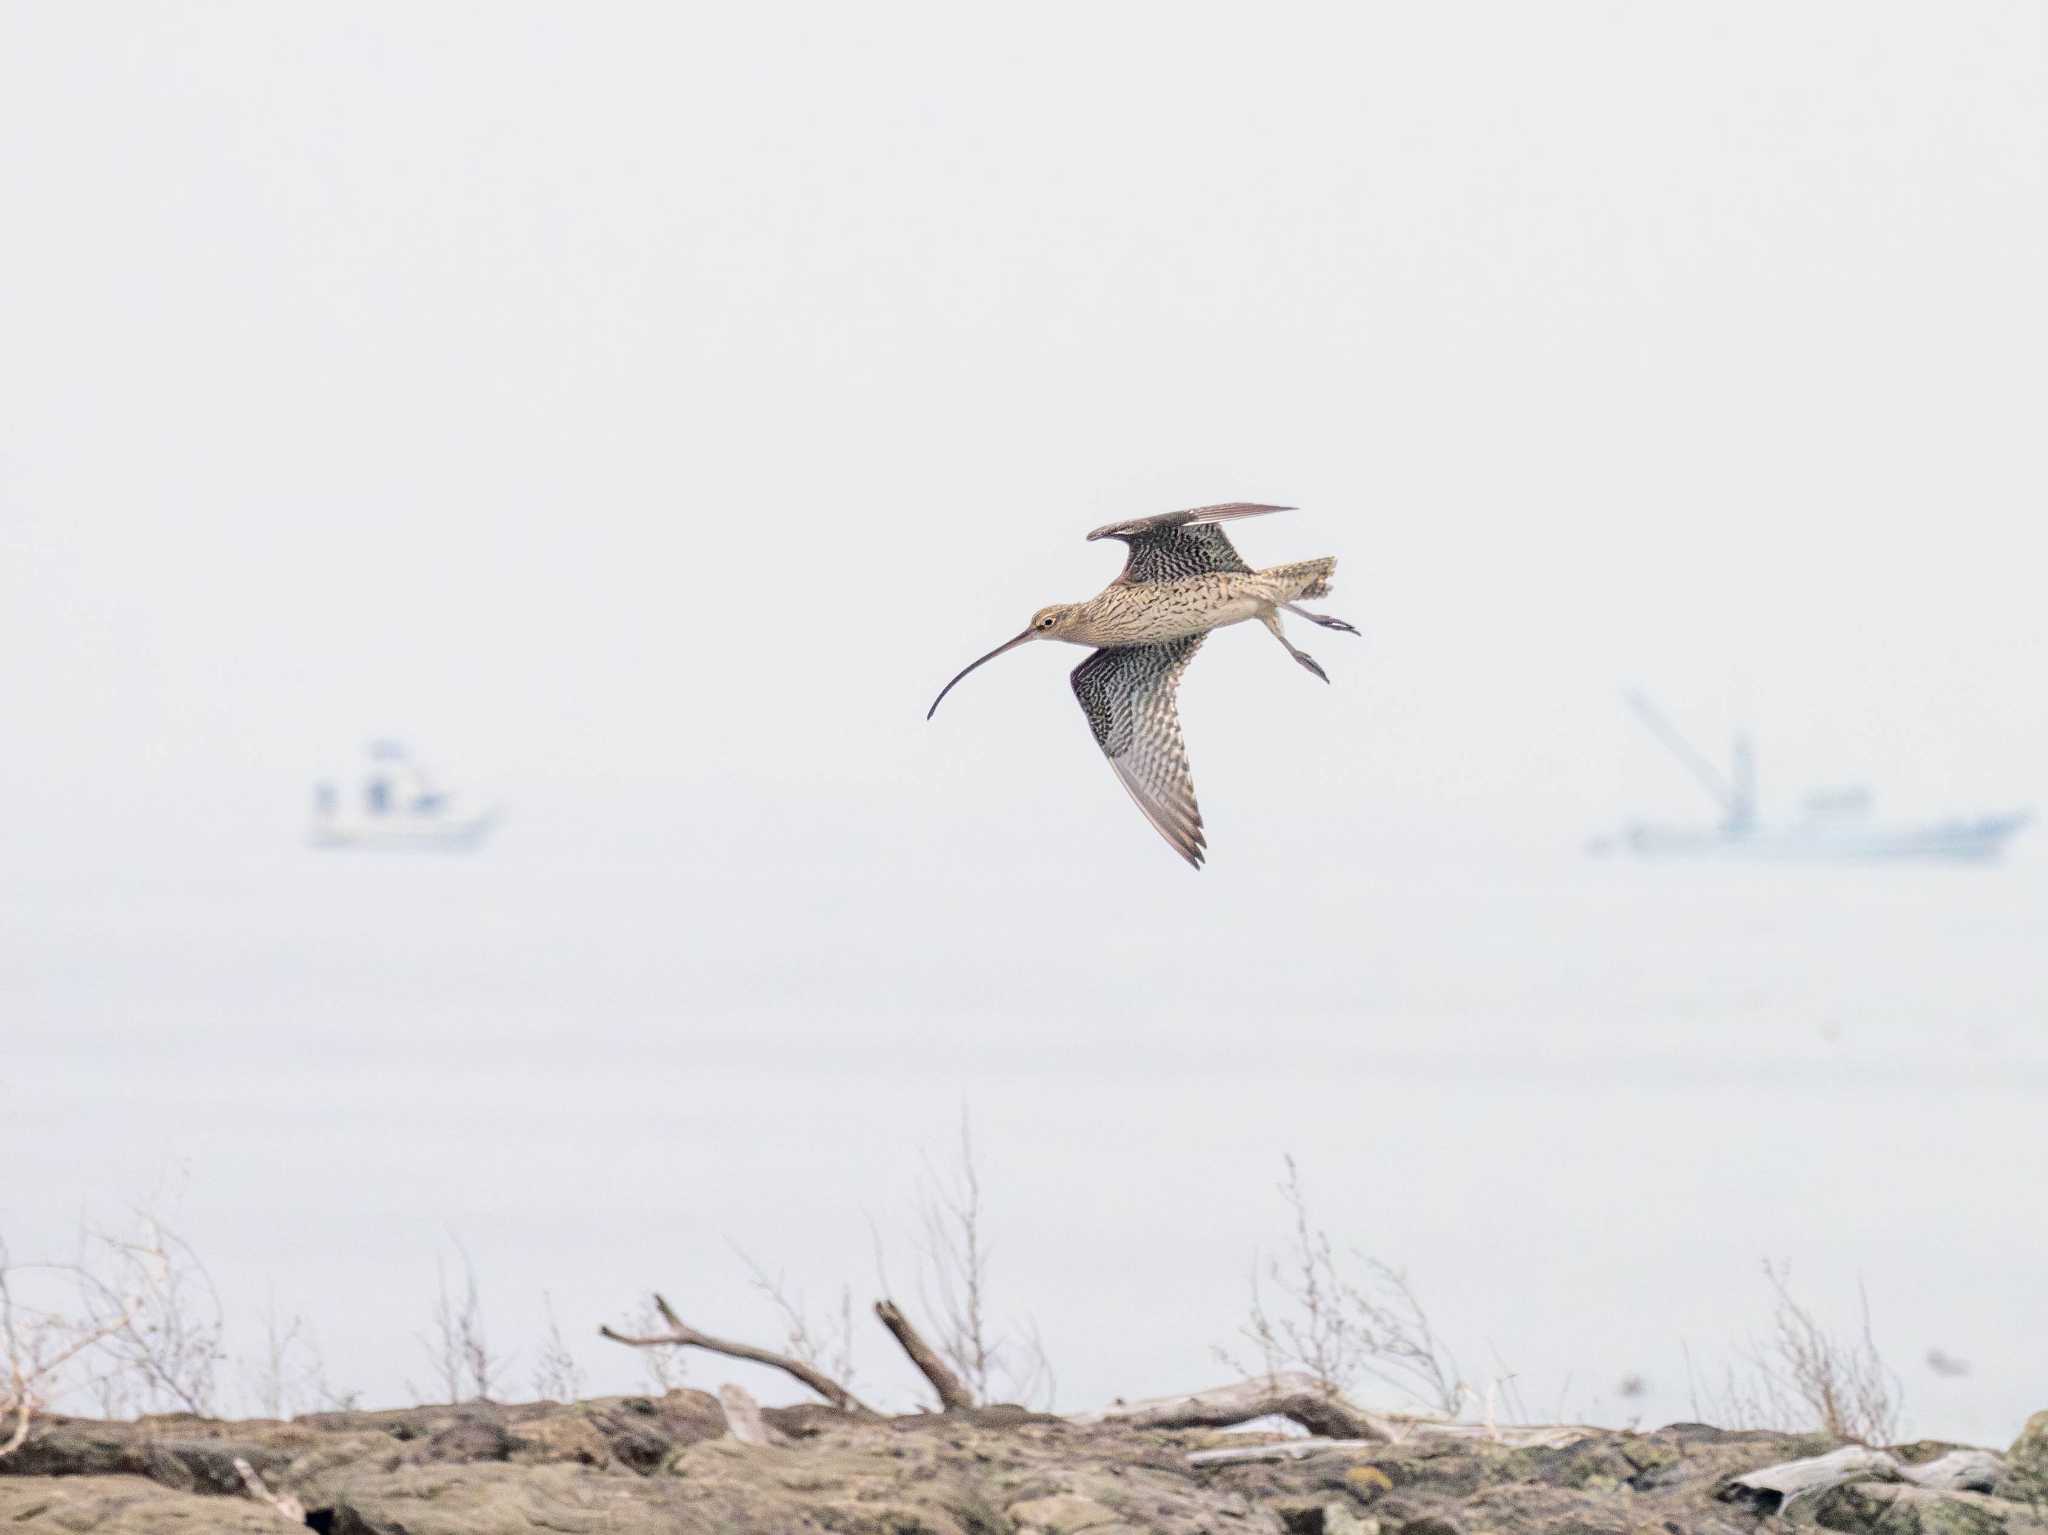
(396, 805)
(1835, 825)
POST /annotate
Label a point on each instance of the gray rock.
(124, 1505)
(664, 1466)
(1061, 1514)
(2028, 1456)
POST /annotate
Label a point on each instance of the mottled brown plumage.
(1182, 579)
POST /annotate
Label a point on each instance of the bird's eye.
(1045, 622)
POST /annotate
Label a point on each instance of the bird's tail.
(1304, 578)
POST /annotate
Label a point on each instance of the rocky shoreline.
(670, 1464)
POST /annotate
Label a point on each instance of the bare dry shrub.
(1804, 1377)
(458, 1346)
(289, 1376)
(953, 1288)
(135, 1323)
(825, 1343)
(160, 1319)
(1741, 1399)
(272, 1377)
(557, 1377)
(1842, 1380)
(1346, 1324)
(37, 1345)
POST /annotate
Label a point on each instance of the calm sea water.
(1580, 1103)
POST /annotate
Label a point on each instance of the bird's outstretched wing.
(1127, 692)
(1177, 544)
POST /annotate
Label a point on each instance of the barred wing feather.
(1178, 544)
(1128, 693)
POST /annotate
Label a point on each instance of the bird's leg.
(1321, 618)
(1271, 620)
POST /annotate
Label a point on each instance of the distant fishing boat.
(1834, 826)
(396, 805)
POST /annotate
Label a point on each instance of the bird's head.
(1054, 623)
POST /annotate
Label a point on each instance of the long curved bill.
(1006, 645)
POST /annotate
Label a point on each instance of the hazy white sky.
(683, 393)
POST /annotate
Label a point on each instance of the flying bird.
(1182, 578)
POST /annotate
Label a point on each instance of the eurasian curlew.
(1182, 579)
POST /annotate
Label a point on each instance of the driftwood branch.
(683, 1335)
(289, 1508)
(1775, 1488)
(1290, 1395)
(1301, 1397)
(23, 1403)
(953, 1395)
(1958, 1471)
(1771, 1489)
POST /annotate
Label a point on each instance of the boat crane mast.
(1737, 797)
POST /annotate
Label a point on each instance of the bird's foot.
(1325, 619)
(1311, 663)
